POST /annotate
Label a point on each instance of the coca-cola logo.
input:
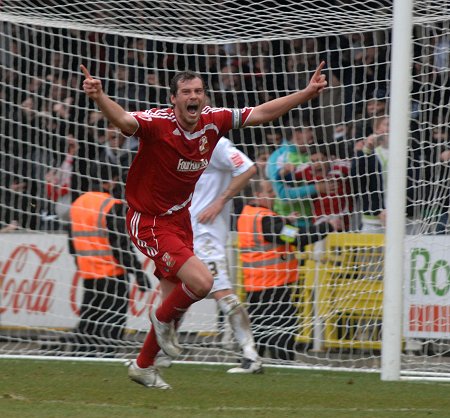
(39, 281)
(24, 281)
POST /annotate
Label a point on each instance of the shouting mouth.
(192, 109)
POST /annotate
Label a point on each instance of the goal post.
(386, 74)
(395, 227)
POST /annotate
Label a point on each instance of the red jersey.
(170, 160)
(338, 203)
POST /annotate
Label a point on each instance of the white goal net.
(52, 138)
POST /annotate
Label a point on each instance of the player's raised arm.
(272, 110)
(110, 109)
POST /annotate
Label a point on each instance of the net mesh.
(195, 22)
(52, 137)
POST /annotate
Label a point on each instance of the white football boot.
(149, 377)
(248, 367)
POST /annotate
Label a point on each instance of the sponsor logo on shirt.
(237, 159)
(186, 165)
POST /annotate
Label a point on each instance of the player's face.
(189, 102)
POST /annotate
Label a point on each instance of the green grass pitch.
(58, 389)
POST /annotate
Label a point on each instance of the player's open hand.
(91, 86)
(318, 82)
(210, 213)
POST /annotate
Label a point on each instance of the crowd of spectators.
(322, 159)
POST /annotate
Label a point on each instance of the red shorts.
(167, 240)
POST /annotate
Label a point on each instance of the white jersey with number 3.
(226, 162)
(210, 239)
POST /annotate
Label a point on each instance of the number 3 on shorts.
(212, 266)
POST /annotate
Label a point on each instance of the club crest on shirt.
(203, 146)
(167, 258)
(144, 116)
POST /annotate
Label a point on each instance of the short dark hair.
(184, 76)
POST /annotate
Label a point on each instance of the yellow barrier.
(348, 279)
(346, 283)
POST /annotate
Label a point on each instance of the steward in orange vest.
(268, 242)
(104, 258)
(90, 237)
(267, 245)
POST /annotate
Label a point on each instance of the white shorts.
(213, 253)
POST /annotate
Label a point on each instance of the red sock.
(148, 351)
(176, 304)
(172, 308)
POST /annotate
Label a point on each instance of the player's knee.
(196, 276)
(207, 284)
(202, 284)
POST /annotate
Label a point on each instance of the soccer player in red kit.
(175, 146)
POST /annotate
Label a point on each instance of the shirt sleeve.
(272, 228)
(286, 192)
(146, 125)
(227, 119)
(227, 157)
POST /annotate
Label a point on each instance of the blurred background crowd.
(327, 159)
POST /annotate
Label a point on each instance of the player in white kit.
(227, 174)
